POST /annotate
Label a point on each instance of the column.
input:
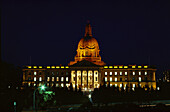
(93, 79)
(153, 76)
(87, 78)
(75, 78)
(81, 78)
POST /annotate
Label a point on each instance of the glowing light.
(35, 66)
(120, 66)
(140, 79)
(110, 66)
(158, 88)
(53, 67)
(89, 95)
(85, 89)
(57, 66)
(105, 66)
(29, 66)
(115, 79)
(66, 67)
(125, 66)
(40, 66)
(145, 66)
(48, 66)
(42, 87)
(62, 66)
(139, 66)
(115, 67)
(133, 66)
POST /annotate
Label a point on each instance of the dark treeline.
(106, 95)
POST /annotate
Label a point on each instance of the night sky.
(49, 31)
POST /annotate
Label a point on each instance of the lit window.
(125, 66)
(110, 79)
(57, 78)
(110, 73)
(145, 73)
(145, 66)
(115, 73)
(133, 73)
(115, 79)
(105, 78)
(115, 67)
(133, 66)
(120, 66)
(34, 78)
(110, 85)
(140, 79)
(57, 85)
(120, 73)
(125, 73)
(67, 85)
(139, 66)
(52, 78)
(34, 84)
(62, 79)
(35, 73)
(40, 78)
(139, 73)
(133, 85)
(105, 73)
(120, 85)
(115, 85)
(110, 66)
(48, 78)
(105, 66)
(66, 78)
(29, 84)
(62, 85)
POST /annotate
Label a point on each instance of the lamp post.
(42, 88)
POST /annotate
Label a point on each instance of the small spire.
(88, 31)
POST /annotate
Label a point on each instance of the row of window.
(133, 79)
(57, 85)
(40, 73)
(50, 79)
(121, 85)
(57, 79)
(126, 73)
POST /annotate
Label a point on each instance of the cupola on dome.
(88, 48)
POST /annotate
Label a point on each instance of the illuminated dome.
(88, 48)
(88, 42)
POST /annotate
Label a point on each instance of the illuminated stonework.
(88, 49)
(89, 72)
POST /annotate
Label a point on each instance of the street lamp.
(42, 88)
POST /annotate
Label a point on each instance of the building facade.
(88, 71)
